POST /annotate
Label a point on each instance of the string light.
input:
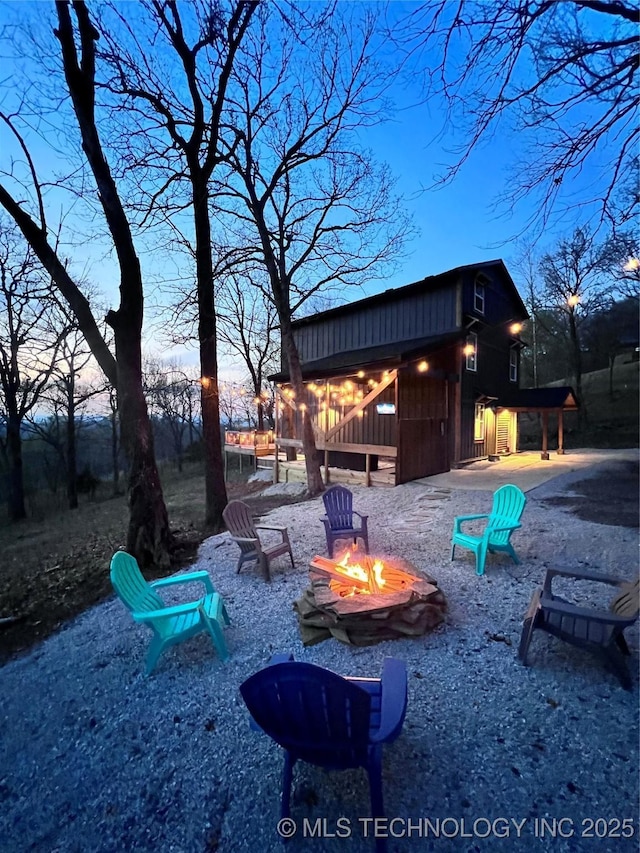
(423, 366)
(361, 374)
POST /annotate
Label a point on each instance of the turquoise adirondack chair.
(170, 625)
(508, 506)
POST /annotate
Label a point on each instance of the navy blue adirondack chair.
(320, 717)
(338, 521)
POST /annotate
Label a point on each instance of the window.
(478, 428)
(513, 364)
(478, 295)
(471, 351)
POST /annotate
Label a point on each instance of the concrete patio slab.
(525, 470)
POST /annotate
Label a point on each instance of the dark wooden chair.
(327, 720)
(240, 524)
(338, 521)
(586, 627)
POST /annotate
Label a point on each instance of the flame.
(359, 572)
(377, 569)
(353, 571)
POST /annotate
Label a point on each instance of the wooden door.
(422, 448)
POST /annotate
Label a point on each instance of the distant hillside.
(610, 421)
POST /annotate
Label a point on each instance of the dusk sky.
(458, 223)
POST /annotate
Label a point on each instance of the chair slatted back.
(239, 520)
(338, 505)
(317, 715)
(627, 602)
(508, 505)
(130, 585)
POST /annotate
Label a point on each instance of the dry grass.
(56, 563)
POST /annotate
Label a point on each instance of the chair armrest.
(578, 574)
(191, 577)
(166, 612)
(603, 616)
(364, 516)
(471, 517)
(459, 520)
(280, 657)
(251, 541)
(394, 700)
(280, 528)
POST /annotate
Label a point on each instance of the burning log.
(360, 606)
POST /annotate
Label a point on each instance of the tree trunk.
(148, 536)
(115, 461)
(215, 488)
(577, 363)
(315, 485)
(612, 361)
(17, 509)
(72, 468)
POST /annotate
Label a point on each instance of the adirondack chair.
(170, 625)
(601, 631)
(508, 506)
(240, 524)
(338, 521)
(327, 720)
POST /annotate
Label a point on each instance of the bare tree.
(233, 397)
(66, 397)
(560, 75)
(577, 283)
(624, 252)
(175, 124)
(169, 390)
(29, 350)
(148, 536)
(247, 327)
(305, 200)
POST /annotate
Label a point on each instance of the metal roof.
(431, 282)
(383, 356)
(538, 399)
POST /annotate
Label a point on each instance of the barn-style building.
(419, 376)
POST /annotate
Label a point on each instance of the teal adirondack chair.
(508, 506)
(170, 625)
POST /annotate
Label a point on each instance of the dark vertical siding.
(418, 315)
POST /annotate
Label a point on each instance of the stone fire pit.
(362, 600)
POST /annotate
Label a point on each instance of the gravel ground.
(94, 756)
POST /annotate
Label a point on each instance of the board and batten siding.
(418, 315)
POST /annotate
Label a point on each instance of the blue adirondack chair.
(338, 521)
(170, 625)
(327, 720)
(508, 506)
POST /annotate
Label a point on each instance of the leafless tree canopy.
(560, 75)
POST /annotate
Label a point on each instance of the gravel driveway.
(493, 756)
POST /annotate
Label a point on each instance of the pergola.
(543, 401)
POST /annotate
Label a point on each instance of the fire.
(354, 570)
(372, 577)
